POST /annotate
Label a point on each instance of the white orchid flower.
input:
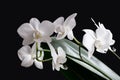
(36, 31)
(101, 39)
(28, 56)
(59, 58)
(64, 28)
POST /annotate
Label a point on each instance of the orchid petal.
(61, 56)
(46, 28)
(27, 61)
(56, 66)
(61, 52)
(61, 35)
(35, 23)
(101, 33)
(53, 52)
(24, 52)
(38, 64)
(58, 24)
(88, 41)
(27, 41)
(70, 21)
(26, 32)
(53, 65)
(44, 39)
(33, 50)
(104, 37)
(70, 35)
(59, 21)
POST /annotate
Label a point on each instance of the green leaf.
(77, 72)
(93, 64)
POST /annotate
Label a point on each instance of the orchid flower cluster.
(36, 32)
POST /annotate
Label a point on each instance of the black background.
(107, 15)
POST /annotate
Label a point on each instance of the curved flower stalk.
(28, 56)
(36, 31)
(101, 39)
(59, 58)
(65, 28)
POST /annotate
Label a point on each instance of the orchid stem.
(69, 56)
(37, 57)
(77, 41)
(80, 45)
(44, 60)
(115, 54)
(46, 50)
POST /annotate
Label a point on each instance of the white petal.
(70, 35)
(61, 52)
(26, 31)
(38, 64)
(44, 39)
(101, 25)
(90, 32)
(59, 21)
(61, 59)
(102, 50)
(105, 37)
(58, 24)
(35, 23)
(112, 42)
(46, 28)
(27, 61)
(24, 52)
(65, 68)
(27, 41)
(100, 33)
(109, 37)
(101, 47)
(88, 41)
(61, 56)
(56, 66)
(70, 21)
(53, 52)
(61, 34)
(33, 51)
(53, 65)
